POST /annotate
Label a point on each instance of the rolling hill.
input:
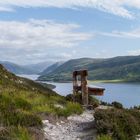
(16, 69)
(123, 68)
(26, 69)
(39, 67)
(51, 68)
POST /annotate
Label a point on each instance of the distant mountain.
(51, 68)
(16, 69)
(25, 69)
(126, 68)
(39, 67)
(63, 72)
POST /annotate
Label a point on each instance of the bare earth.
(77, 127)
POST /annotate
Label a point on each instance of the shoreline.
(93, 81)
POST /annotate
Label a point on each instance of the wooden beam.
(80, 72)
(96, 91)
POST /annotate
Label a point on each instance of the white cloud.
(34, 39)
(66, 55)
(134, 52)
(116, 7)
(7, 9)
(31, 56)
(40, 33)
(134, 34)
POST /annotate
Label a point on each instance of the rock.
(102, 107)
(57, 123)
(62, 122)
(45, 121)
(58, 106)
(78, 127)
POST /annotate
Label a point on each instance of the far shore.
(93, 81)
(108, 81)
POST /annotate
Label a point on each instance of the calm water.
(126, 93)
(32, 77)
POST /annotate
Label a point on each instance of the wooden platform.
(97, 91)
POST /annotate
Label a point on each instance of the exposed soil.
(76, 127)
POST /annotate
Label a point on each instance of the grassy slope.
(119, 68)
(22, 103)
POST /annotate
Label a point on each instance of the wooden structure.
(83, 86)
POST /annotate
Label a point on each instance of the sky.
(33, 31)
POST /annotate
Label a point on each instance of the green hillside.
(23, 104)
(51, 68)
(124, 68)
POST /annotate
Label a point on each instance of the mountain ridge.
(51, 68)
(125, 68)
(26, 69)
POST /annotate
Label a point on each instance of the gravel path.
(77, 127)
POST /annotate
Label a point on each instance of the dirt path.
(77, 127)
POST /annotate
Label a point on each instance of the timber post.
(83, 87)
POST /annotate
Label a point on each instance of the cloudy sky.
(33, 31)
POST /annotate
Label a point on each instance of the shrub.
(93, 101)
(4, 134)
(78, 98)
(117, 105)
(122, 124)
(74, 97)
(137, 107)
(105, 103)
(70, 97)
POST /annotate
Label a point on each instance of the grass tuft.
(104, 137)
